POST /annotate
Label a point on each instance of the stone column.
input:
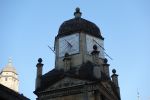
(95, 55)
(115, 80)
(106, 67)
(67, 62)
(96, 69)
(39, 73)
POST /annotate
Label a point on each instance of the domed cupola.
(77, 25)
(9, 67)
(9, 76)
(76, 38)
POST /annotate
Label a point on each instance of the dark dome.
(77, 25)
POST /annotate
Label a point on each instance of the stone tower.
(81, 70)
(9, 76)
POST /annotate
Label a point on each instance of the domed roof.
(9, 67)
(77, 25)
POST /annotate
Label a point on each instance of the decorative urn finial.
(77, 14)
(40, 60)
(114, 71)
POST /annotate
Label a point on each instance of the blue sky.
(27, 27)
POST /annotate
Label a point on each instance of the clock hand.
(69, 44)
(98, 44)
(67, 47)
(103, 49)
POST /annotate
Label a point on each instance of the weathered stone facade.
(82, 74)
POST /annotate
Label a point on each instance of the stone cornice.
(68, 91)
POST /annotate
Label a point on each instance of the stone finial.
(95, 51)
(95, 47)
(115, 80)
(40, 60)
(66, 54)
(95, 54)
(77, 14)
(106, 67)
(114, 71)
(115, 77)
(39, 64)
(105, 61)
(39, 73)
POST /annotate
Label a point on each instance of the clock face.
(91, 41)
(69, 44)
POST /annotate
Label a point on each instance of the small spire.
(10, 61)
(138, 95)
(77, 14)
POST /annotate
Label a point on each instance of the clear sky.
(27, 27)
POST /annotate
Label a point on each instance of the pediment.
(66, 82)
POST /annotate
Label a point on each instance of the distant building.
(81, 69)
(9, 76)
(9, 83)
